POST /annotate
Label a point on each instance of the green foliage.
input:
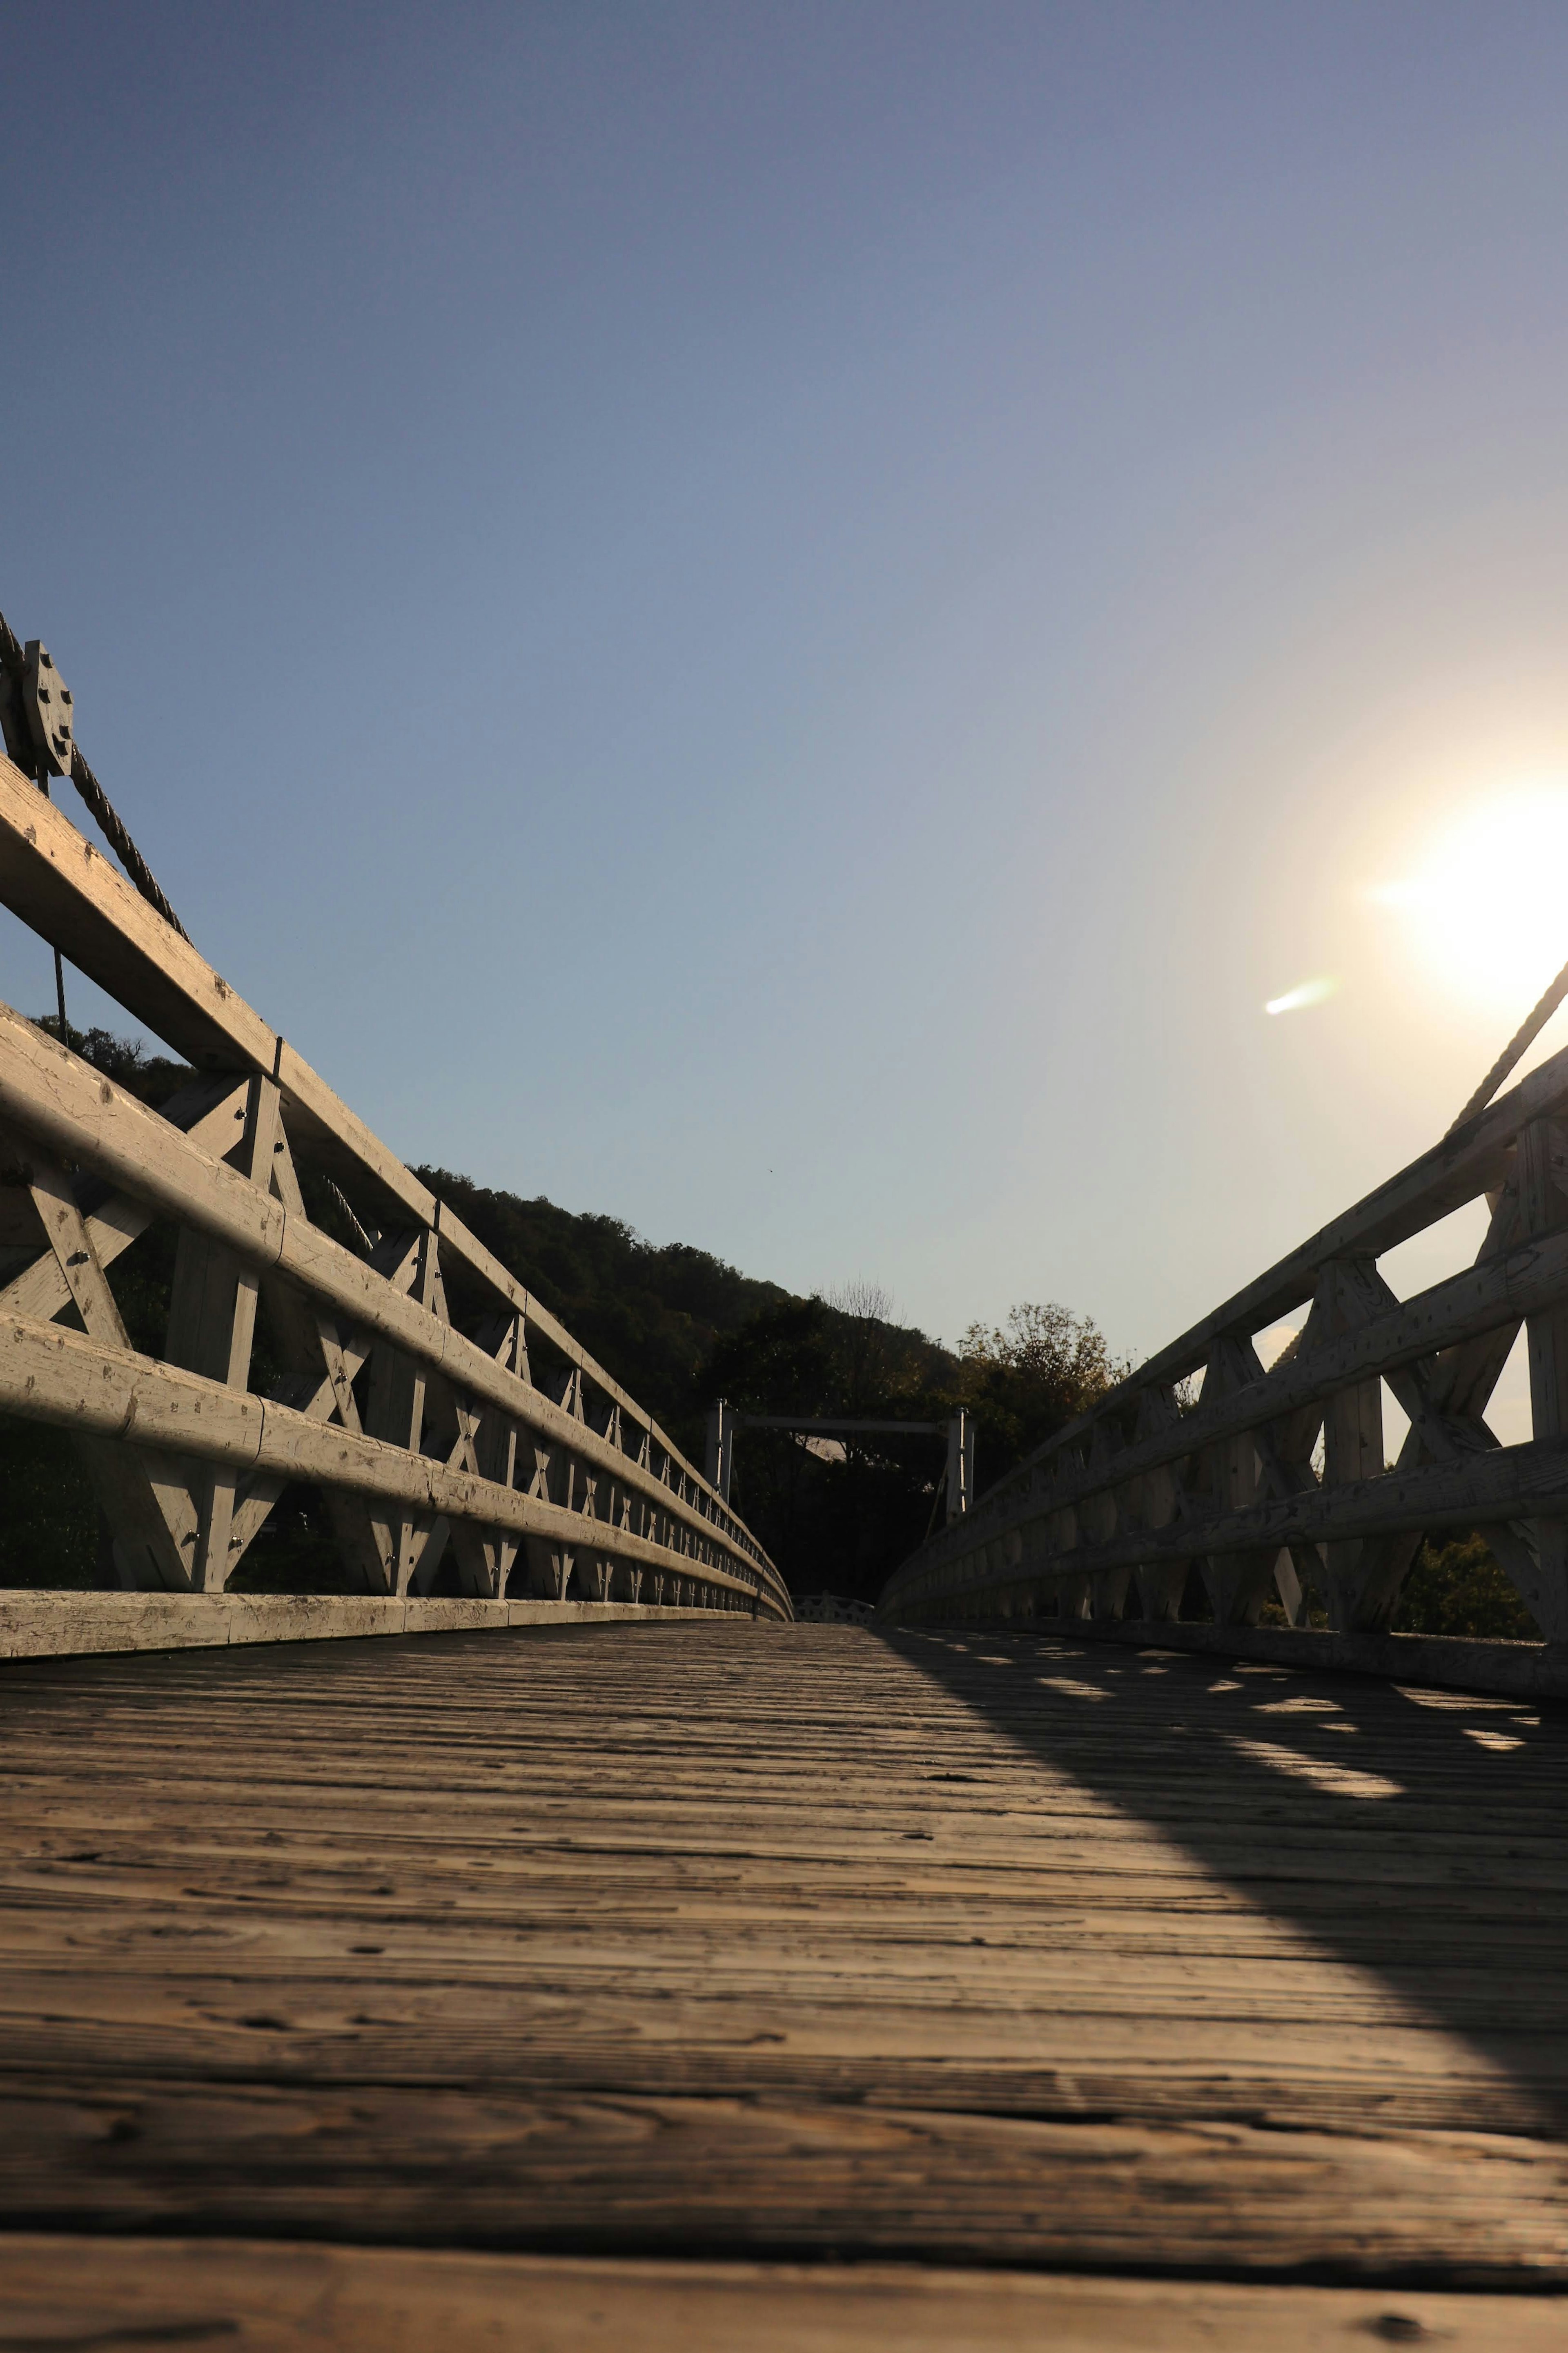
(650, 1315)
(845, 1525)
(781, 1360)
(1026, 1381)
(1460, 1589)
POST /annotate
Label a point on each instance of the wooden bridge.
(1027, 1991)
(623, 1962)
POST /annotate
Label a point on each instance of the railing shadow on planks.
(1270, 1480)
(410, 1401)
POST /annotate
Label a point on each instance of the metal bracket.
(47, 700)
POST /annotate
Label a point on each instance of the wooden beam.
(1491, 1295)
(212, 1326)
(1544, 1210)
(82, 1115)
(1470, 1161)
(50, 1373)
(54, 878)
(1509, 1482)
(43, 1290)
(828, 1424)
(153, 1518)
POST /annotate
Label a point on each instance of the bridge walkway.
(742, 1945)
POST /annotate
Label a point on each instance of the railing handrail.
(54, 878)
(1095, 1471)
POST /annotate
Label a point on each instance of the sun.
(1486, 906)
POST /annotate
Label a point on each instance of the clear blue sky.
(782, 620)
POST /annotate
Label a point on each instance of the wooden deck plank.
(613, 2172)
(115, 2295)
(782, 1941)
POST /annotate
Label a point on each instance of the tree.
(1025, 1380)
(1459, 1588)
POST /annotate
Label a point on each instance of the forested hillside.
(652, 1315)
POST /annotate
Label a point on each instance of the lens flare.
(1312, 992)
(1484, 906)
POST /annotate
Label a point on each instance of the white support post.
(960, 1464)
(721, 1448)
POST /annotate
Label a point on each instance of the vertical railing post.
(720, 1463)
(1543, 1208)
(960, 1464)
(1161, 1582)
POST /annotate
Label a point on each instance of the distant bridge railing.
(1272, 1479)
(410, 1401)
(958, 1480)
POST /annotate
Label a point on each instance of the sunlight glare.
(1485, 908)
(1312, 992)
(1339, 1781)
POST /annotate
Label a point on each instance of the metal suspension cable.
(346, 1209)
(115, 831)
(1518, 1046)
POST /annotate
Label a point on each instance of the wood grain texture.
(782, 1941)
(67, 1625)
(109, 2294)
(100, 1394)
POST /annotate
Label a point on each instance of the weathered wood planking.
(65, 1625)
(786, 1940)
(123, 2294)
(50, 1373)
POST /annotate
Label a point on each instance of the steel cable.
(113, 828)
(1518, 1046)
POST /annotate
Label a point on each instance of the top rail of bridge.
(414, 1399)
(1270, 1482)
